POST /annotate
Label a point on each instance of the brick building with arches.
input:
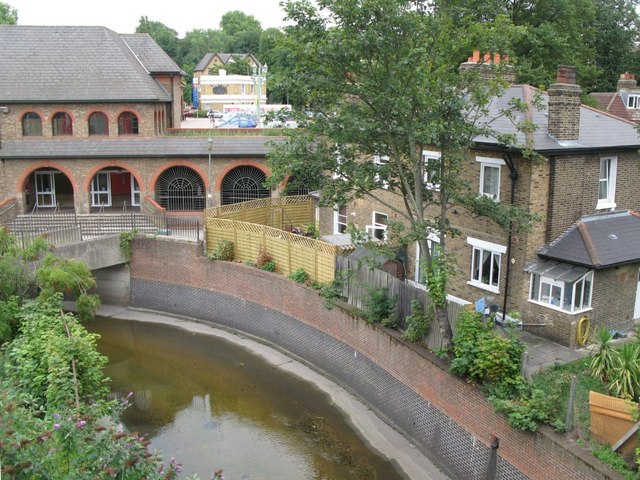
(95, 129)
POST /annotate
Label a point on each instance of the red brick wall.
(543, 455)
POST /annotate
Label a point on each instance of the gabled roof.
(130, 147)
(224, 59)
(616, 103)
(598, 241)
(41, 64)
(598, 130)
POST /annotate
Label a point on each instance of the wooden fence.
(282, 213)
(359, 279)
(289, 251)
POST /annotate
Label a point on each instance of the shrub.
(269, 266)
(224, 251)
(299, 276)
(379, 307)
(418, 323)
(263, 258)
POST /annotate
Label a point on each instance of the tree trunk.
(442, 317)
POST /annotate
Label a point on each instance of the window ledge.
(558, 309)
(483, 286)
(605, 206)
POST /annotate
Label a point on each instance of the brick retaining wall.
(448, 419)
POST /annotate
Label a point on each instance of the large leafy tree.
(8, 14)
(242, 30)
(382, 77)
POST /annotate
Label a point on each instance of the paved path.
(377, 433)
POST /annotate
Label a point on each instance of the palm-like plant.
(625, 375)
(603, 361)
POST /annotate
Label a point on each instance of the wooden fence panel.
(360, 279)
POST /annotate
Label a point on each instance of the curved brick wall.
(448, 419)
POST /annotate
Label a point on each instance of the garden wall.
(447, 418)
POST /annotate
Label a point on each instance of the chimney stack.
(487, 64)
(564, 105)
(627, 81)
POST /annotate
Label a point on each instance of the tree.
(391, 89)
(8, 14)
(242, 30)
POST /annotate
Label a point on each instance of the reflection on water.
(211, 404)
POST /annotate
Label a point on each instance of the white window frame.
(339, 220)
(486, 163)
(495, 251)
(429, 156)
(607, 183)
(377, 230)
(379, 161)
(633, 101)
(537, 297)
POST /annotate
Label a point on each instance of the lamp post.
(210, 145)
(259, 75)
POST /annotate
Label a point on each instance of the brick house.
(89, 121)
(624, 102)
(583, 192)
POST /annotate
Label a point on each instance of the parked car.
(238, 121)
(214, 113)
(189, 111)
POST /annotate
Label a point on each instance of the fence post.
(572, 394)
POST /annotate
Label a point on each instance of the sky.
(123, 16)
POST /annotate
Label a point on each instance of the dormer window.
(633, 101)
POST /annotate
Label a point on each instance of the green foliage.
(525, 410)
(56, 274)
(8, 324)
(58, 444)
(224, 251)
(8, 14)
(602, 362)
(269, 266)
(613, 459)
(418, 323)
(624, 375)
(299, 275)
(379, 307)
(54, 359)
(311, 230)
(126, 238)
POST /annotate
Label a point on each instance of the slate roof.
(163, 147)
(598, 241)
(58, 64)
(598, 130)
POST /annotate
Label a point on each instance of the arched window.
(31, 125)
(242, 184)
(127, 124)
(61, 124)
(98, 124)
(181, 189)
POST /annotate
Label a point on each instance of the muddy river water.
(213, 404)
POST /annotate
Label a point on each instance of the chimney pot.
(487, 57)
(496, 58)
(566, 74)
(476, 56)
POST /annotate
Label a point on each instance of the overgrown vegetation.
(57, 418)
(265, 261)
(379, 308)
(418, 323)
(224, 251)
(126, 238)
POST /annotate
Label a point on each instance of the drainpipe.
(513, 175)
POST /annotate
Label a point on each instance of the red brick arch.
(24, 177)
(86, 186)
(240, 163)
(177, 163)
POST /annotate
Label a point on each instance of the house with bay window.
(582, 258)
